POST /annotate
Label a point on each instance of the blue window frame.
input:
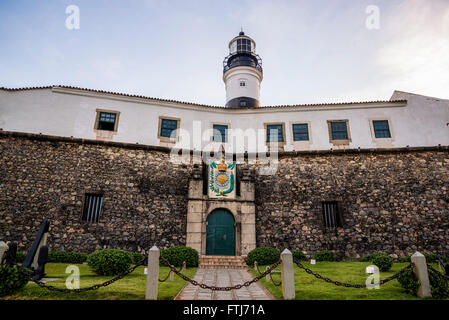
(106, 121)
(275, 133)
(300, 132)
(220, 133)
(167, 127)
(381, 129)
(339, 130)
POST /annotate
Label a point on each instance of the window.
(300, 132)
(92, 207)
(275, 133)
(167, 127)
(381, 129)
(243, 103)
(242, 83)
(106, 121)
(220, 133)
(243, 45)
(339, 130)
(331, 215)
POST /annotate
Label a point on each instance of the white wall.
(252, 78)
(420, 122)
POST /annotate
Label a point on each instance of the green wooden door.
(220, 236)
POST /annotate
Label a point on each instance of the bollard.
(3, 250)
(153, 274)
(183, 266)
(288, 276)
(255, 265)
(171, 276)
(267, 277)
(420, 269)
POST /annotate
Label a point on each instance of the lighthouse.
(242, 73)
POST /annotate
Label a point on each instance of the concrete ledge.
(283, 154)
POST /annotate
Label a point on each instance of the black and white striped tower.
(242, 73)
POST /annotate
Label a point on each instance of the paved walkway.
(224, 278)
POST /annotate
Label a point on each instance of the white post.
(184, 266)
(267, 277)
(420, 269)
(288, 277)
(3, 249)
(153, 274)
(171, 276)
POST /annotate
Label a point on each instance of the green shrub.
(370, 257)
(439, 286)
(432, 258)
(299, 255)
(20, 256)
(12, 280)
(324, 255)
(66, 257)
(178, 254)
(383, 262)
(405, 259)
(110, 262)
(137, 257)
(263, 256)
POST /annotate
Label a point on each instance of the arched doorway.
(220, 233)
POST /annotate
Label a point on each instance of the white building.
(405, 120)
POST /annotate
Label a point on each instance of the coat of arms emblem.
(221, 179)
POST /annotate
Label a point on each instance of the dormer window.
(242, 83)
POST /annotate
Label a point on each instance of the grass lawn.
(310, 288)
(131, 287)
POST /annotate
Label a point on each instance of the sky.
(312, 51)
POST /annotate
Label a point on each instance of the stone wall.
(392, 201)
(144, 194)
(395, 202)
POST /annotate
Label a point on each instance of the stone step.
(226, 262)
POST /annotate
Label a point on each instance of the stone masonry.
(394, 201)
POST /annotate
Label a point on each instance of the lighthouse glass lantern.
(242, 73)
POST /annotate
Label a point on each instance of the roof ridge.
(194, 103)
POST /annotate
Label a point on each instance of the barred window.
(331, 214)
(220, 133)
(92, 207)
(167, 127)
(106, 121)
(339, 130)
(275, 133)
(381, 129)
(300, 132)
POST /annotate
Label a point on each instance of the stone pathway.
(224, 278)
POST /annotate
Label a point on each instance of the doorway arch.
(220, 233)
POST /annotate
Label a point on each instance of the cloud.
(415, 55)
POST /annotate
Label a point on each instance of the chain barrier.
(269, 275)
(94, 287)
(214, 288)
(168, 275)
(350, 285)
(438, 272)
(445, 289)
